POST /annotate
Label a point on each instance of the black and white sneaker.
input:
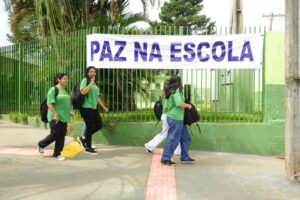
(81, 141)
(60, 158)
(168, 162)
(40, 150)
(90, 150)
(147, 150)
(189, 160)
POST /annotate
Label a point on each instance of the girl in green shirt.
(89, 110)
(59, 107)
(178, 131)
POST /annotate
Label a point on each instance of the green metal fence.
(28, 68)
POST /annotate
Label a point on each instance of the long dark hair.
(174, 84)
(59, 76)
(86, 75)
(166, 86)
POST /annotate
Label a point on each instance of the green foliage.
(35, 19)
(22, 20)
(14, 117)
(146, 115)
(22, 117)
(185, 13)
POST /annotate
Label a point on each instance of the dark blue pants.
(178, 132)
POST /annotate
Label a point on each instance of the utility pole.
(292, 95)
(237, 16)
(272, 15)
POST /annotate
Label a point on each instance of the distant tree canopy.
(185, 13)
(35, 19)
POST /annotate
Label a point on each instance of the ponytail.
(58, 76)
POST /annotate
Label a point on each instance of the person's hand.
(56, 118)
(92, 80)
(105, 109)
(190, 106)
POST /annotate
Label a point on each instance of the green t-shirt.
(165, 105)
(61, 103)
(91, 98)
(174, 111)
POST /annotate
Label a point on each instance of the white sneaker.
(40, 150)
(60, 158)
(147, 150)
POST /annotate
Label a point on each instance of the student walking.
(59, 107)
(178, 131)
(155, 141)
(89, 110)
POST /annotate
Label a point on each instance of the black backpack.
(191, 116)
(44, 107)
(77, 98)
(158, 109)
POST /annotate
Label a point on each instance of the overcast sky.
(217, 10)
(4, 28)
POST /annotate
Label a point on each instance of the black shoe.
(168, 162)
(81, 141)
(90, 150)
(188, 160)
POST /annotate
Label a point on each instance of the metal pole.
(272, 15)
(237, 16)
(292, 95)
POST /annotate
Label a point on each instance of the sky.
(217, 10)
(4, 27)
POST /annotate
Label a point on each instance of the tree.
(54, 17)
(185, 13)
(33, 19)
(22, 22)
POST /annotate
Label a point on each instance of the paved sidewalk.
(120, 172)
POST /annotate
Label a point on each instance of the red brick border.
(161, 182)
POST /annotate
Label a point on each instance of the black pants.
(57, 133)
(93, 123)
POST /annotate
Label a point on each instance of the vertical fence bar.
(19, 77)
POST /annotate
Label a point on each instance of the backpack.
(158, 109)
(44, 107)
(191, 116)
(77, 98)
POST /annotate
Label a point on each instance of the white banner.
(174, 52)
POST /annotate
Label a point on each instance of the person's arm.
(51, 99)
(52, 109)
(86, 89)
(186, 105)
(178, 101)
(102, 105)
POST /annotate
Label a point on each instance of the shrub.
(13, 117)
(24, 118)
